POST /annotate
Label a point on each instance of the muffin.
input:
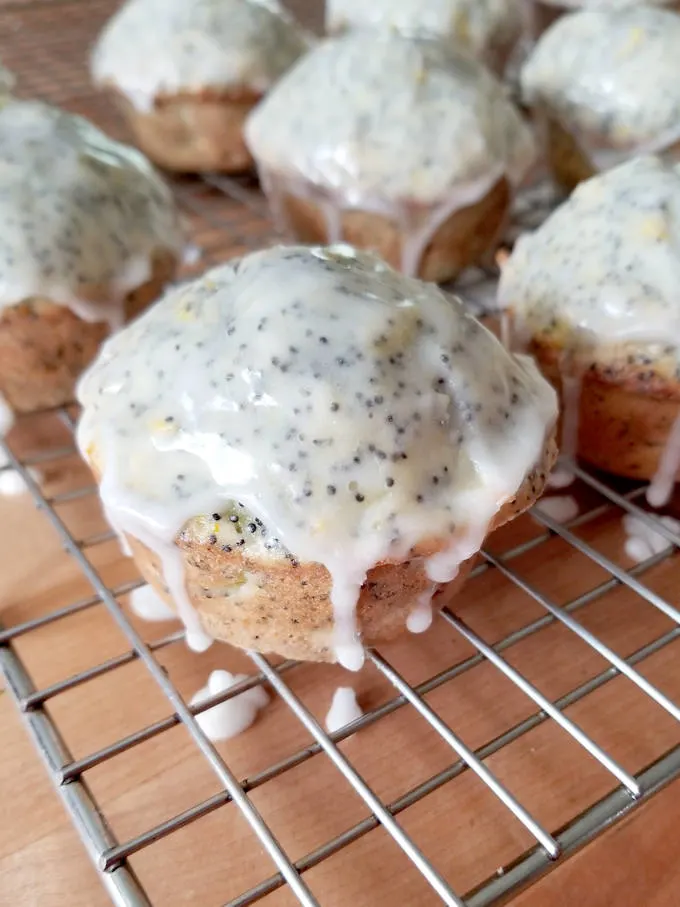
(405, 146)
(594, 297)
(186, 73)
(304, 446)
(604, 85)
(89, 236)
(542, 13)
(489, 29)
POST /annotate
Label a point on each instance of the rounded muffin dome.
(359, 415)
(152, 48)
(81, 216)
(606, 263)
(377, 119)
(481, 26)
(609, 76)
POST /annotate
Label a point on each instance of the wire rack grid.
(539, 712)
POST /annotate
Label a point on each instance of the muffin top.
(81, 216)
(476, 24)
(606, 4)
(355, 412)
(152, 48)
(606, 263)
(378, 118)
(610, 75)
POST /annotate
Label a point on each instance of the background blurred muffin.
(303, 447)
(406, 146)
(604, 87)
(187, 72)
(88, 236)
(489, 29)
(540, 14)
(594, 296)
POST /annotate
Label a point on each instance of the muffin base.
(463, 239)
(288, 612)
(626, 412)
(44, 347)
(194, 132)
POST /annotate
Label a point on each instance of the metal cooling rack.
(227, 217)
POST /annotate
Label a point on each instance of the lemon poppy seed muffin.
(402, 145)
(187, 72)
(89, 235)
(594, 296)
(488, 29)
(304, 446)
(604, 84)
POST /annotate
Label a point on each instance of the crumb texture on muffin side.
(408, 128)
(315, 405)
(608, 77)
(161, 48)
(594, 292)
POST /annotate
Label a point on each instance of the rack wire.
(541, 709)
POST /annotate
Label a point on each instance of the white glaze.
(354, 412)
(562, 508)
(662, 484)
(605, 263)
(81, 216)
(481, 26)
(642, 542)
(344, 709)
(6, 416)
(609, 78)
(407, 128)
(146, 603)
(151, 48)
(235, 715)
(420, 619)
(561, 477)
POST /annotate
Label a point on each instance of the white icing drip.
(661, 487)
(609, 78)
(227, 719)
(12, 483)
(386, 122)
(6, 417)
(420, 619)
(81, 216)
(642, 542)
(252, 385)
(562, 508)
(561, 478)
(344, 709)
(333, 217)
(146, 603)
(151, 48)
(482, 26)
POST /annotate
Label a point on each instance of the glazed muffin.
(89, 235)
(594, 296)
(304, 446)
(405, 146)
(604, 86)
(187, 72)
(489, 29)
(540, 14)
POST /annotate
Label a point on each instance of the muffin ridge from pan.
(399, 144)
(593, 294)
(603, 84)
(187, 72)
(89, 234)
(488, 29)
(304, 445)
